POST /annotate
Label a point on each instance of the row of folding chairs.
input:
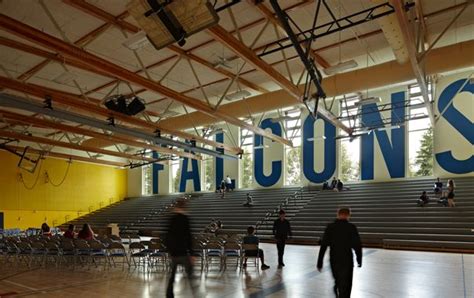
(42, 252)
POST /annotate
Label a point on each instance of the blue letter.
(190, 175)
(155, 169)
(308, 151)
(219, 161)
(394, 153)
(275, 175)
(461, 123)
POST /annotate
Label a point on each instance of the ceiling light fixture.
(137, 41)
(340, 67)
(238, 95)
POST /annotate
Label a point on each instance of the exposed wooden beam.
(28, 138)
(22, 30)
(58, 155)
(75, 101)
(376, 76)
(218, 70)
(48, 55)
(269, 15)
(410, 44)
(113, 139)
(248, 55)
(109, 18)
(101, 14)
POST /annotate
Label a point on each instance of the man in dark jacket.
(342, 237)
(281, 231)
(178, 241)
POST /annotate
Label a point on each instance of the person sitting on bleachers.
(438, 187)
(443, 200)
(70, 232)
(45, 230)
(423, 200)
(252, 239)
(326, 185)
(249, 201)
(86, 233)
(333, 183)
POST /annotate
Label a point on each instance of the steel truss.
(333, 26)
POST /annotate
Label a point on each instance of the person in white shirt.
(228, 183)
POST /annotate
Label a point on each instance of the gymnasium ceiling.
(100, 27)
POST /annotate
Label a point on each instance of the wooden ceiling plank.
(248, 55)
(105, 16)
(22, 30)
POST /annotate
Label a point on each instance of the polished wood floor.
(385, 273)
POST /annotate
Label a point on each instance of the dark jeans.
(255, 253)
(281, 250)
(188, 267)
(343, 280)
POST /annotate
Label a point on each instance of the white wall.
(134, 182)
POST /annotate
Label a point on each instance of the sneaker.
(265, 267)
(283, 264)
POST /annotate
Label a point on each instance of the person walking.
(281, 231)
(178, 241)
(342, 237)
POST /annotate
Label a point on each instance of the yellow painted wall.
(87, 187)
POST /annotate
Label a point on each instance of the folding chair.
(117, 250)
(24, 253)
(157, 255)
(82, 251)
(67, 251)
(98, 253)
(198, 253)
(52, 253)
(213, 253)
(232, 250)
(255, 256)
(138, 251)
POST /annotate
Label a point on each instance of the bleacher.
(386, 215)
(230, 210)
(125, 213)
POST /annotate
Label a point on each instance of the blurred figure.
(86, 233)
(423, 200)
(45, 230)
(451, 193)
(178, 241)
(281, 231)
(342, 237)
(70, 232)
(249, 201)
